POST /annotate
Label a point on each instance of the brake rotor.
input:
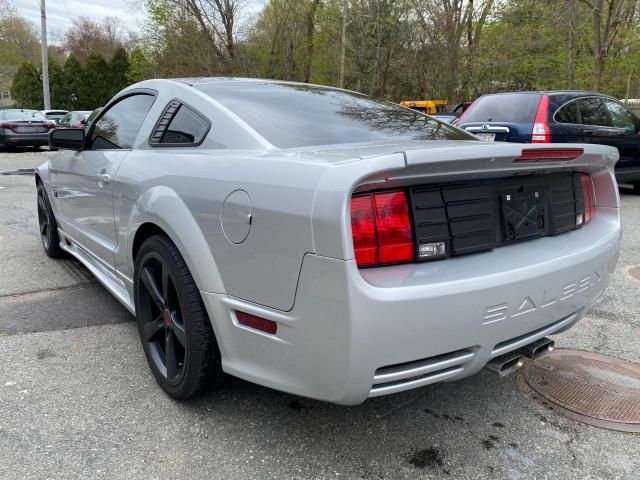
(588, 387)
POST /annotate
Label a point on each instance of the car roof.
(576, 93)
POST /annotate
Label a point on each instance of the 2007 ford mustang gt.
(323, 243)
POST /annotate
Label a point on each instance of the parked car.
(92, 116)
(54, 115)
(75, 119)
(24, 128)
(323, 243)
(559, 117)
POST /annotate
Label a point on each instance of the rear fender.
(164, 208)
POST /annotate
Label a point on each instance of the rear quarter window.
(514, 108)
(179, 125)
(568, 113)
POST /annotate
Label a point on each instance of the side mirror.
(66, 139)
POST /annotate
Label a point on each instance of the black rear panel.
(480, 215)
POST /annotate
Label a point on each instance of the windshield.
(26, 115)
(510, 107)
(293, 115)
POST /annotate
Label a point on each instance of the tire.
(47, 225)
(172, 319)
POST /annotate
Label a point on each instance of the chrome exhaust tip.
(538, 348)
(505, 364)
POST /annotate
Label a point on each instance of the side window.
(119, 126)
(66, 118)
(592, 112)
(620, 116)
(568, 113)
(180, 125)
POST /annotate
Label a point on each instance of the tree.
(58, 87)
(73, 78)
(118, 68)
(85, 37)
(18, 39)
(95, 89)
(140, 67)
(609, 18)
(26, 88)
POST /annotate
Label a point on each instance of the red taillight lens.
(363, 230)
(587, 188)
(395, 239)
(10, 126)
(259, 323)
(541, 132)
(381, 228)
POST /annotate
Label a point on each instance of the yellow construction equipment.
(426, 106)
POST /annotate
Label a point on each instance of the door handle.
(103, 178)
(588, 131)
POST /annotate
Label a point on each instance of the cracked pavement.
(78, 401)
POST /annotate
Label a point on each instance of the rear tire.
(174, 327)
(48, 225)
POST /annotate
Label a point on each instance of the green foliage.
(140, 67)
(27, 87)
(117, 73)
(73, 77)
(95, 88)
(58, 87)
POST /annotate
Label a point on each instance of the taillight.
(10, 126)
(587, 189)
(549, 154)
(541, 132)
(381, 228)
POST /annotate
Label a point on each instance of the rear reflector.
(259, 323)
(549, 154)
(541, 132)
(587, 188)
(381, 228)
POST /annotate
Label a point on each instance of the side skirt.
(104, 275)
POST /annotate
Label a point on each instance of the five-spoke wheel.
(175, 330)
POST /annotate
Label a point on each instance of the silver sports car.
(323, 243)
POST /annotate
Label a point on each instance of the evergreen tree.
(140, 67)
(26, 88)
(118, 68)
(95, 88)
(73, 76)
(58, 86)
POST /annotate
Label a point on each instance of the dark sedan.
(559, 117)
(24, 128)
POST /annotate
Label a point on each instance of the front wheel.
(174, 328)
(48, 225)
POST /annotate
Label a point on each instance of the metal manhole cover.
(591, 388)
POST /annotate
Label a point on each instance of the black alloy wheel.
(47, 225)
(161, 317)
(175, 330)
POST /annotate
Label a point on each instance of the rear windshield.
(289, 116)
(512, 107)
(26, 115)
(55, 115)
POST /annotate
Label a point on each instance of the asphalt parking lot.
(78, 401)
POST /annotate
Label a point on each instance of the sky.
(60, 13)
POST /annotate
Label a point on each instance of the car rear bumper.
(26, 140)
(354, 334)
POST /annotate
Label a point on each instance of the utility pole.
(45, 56)
(343, 42)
